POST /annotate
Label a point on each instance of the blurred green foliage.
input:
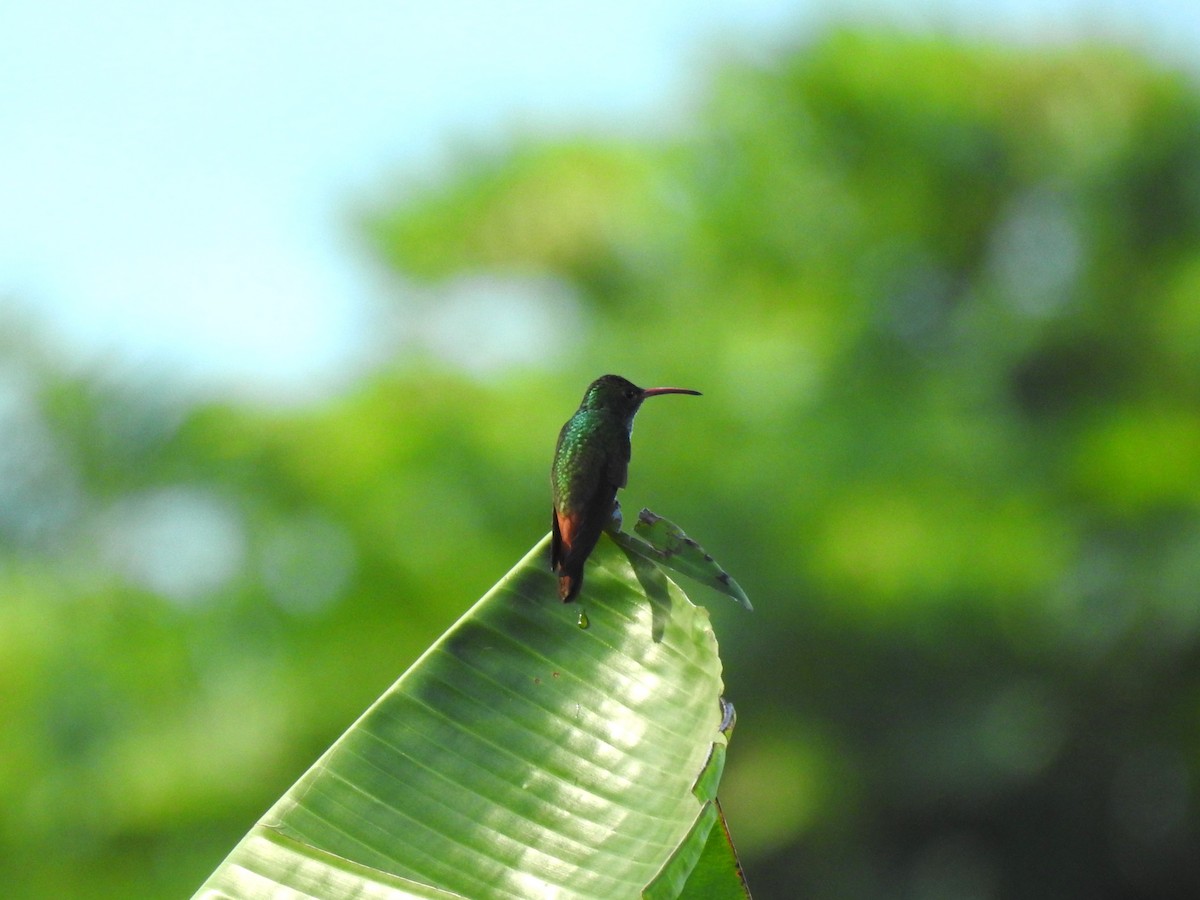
(944, 305)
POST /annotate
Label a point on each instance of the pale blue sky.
(174, 177)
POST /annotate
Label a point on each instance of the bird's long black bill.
(653, 392)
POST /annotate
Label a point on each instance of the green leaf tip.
(666, 544)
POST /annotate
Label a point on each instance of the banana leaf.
(537, 749)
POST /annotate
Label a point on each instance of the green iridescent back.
(592, 455)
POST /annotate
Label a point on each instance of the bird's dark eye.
(630, 394)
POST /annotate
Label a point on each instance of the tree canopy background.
(942, 301)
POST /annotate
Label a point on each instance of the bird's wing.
(617, 465)
(562, 533)
(573, 496)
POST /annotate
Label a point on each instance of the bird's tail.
(569, 584)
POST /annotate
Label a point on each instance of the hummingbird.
(591, 462)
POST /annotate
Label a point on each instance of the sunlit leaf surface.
(523, 755)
